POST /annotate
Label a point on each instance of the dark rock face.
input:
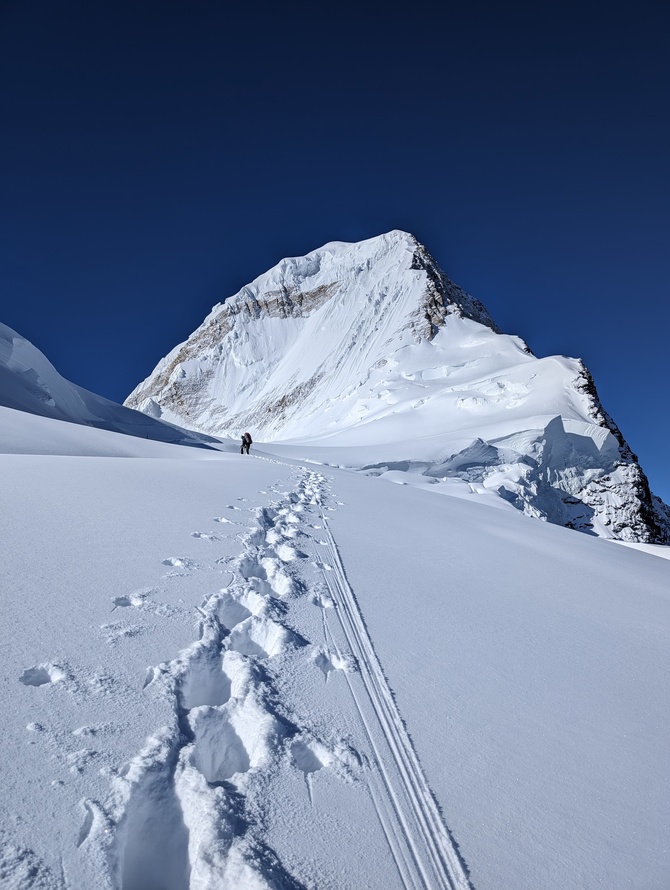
(442, 298)
(648, 516)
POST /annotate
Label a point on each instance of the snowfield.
(240, 672)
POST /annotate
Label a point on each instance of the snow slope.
(30, 383)
(370, 346)
(243, 672)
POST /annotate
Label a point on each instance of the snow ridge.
(443, 296)
(30, 383)
(646, 510)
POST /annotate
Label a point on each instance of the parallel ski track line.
(424, 832)
(380, 798)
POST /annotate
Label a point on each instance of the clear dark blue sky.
(157, 156)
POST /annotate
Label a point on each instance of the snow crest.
(30, 383)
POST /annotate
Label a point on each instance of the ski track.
(184, 812)
(425, 852)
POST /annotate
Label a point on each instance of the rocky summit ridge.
(370, 349)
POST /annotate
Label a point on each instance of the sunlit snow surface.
(224, 671)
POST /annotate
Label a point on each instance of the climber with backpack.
(247, 441)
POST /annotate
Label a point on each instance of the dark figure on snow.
(247, 441)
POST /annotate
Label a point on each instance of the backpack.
(247, 439)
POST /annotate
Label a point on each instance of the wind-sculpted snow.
(370, 348)
(30, 383)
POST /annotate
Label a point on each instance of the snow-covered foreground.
(225, 671)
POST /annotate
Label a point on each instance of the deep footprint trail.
(194, 808)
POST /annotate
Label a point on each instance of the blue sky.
(157, 156)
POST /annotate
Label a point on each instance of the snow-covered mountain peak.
(371, 349)
(338, 312)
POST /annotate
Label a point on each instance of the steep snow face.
(302, 338)
(370, 348)
(30, 383)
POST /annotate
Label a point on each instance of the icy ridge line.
(30, 383)
(654, 513)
